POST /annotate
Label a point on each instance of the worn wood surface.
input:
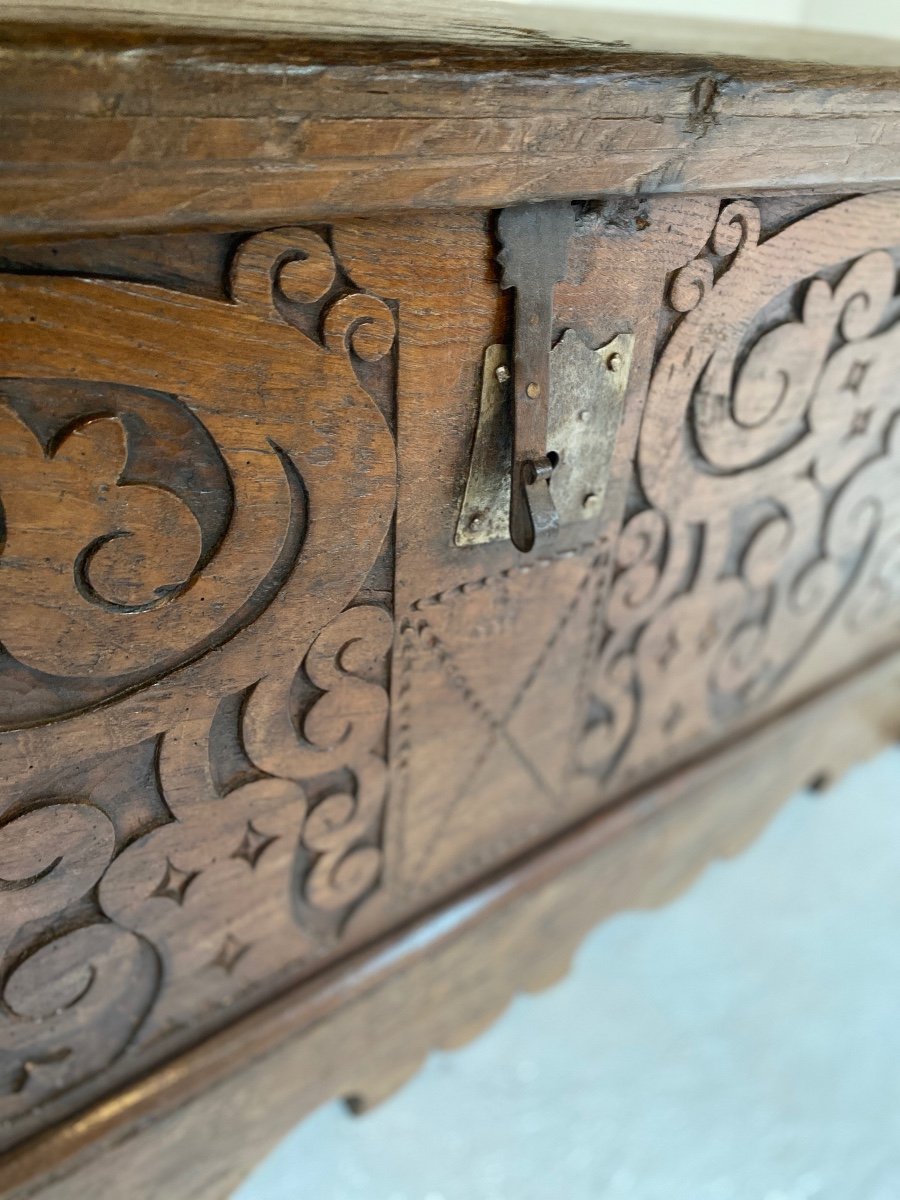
(122, 131)
(359, 1031)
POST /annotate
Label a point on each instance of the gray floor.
(740, 1045)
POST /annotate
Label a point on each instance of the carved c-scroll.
(71, 1004)
(173, 491)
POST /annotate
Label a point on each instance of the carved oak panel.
(257, 705)
(192, 683)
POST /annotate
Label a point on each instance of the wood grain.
(361, 1030)
(111, 131)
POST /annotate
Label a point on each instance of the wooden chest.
(449, 494)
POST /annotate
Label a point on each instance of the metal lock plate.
(587, 396)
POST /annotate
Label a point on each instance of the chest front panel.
(261, 696)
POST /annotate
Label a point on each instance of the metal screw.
(502, 374)
(590, 501)
(533, 391)
(475, 521)
(584, 415)
(614, 361)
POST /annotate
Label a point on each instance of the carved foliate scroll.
(179, 574)
(762, 548)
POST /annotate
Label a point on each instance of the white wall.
(878, 17)
(768, 12)
(870, 17)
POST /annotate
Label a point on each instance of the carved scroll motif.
(176, 475)
(766, 514)
(260, 870)
(173, 498)
(57, 994)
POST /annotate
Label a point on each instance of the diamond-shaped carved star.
(670, 649)
(230, 953)
(253, 843)
(855, 377)
(862, 419)
(174, 883)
